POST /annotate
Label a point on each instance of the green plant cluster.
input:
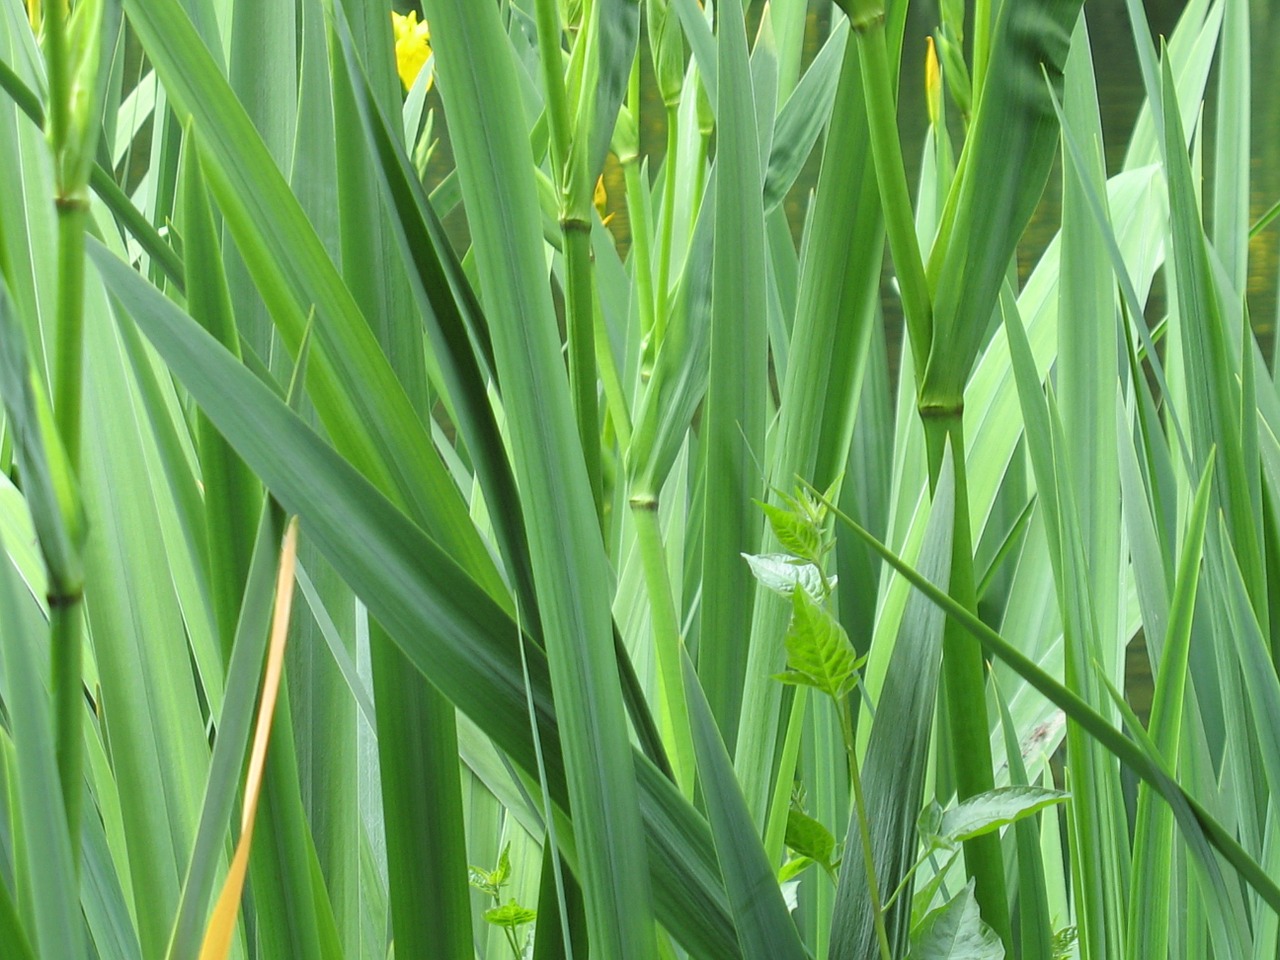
(635, 554)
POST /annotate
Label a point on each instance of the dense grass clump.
(394, 561)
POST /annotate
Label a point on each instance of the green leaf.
(765, 928)
(793, 868)
(992, 810)
(782, 573)
(809, 838)
(49, 485)
(510, 915)
(617, 33)
(492, 881)
(736, 409)
(819, 653)
(956, 932)
(803, 118)
(797, 534)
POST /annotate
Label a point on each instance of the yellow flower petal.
(413, 46)
(932, 82)
(601, 201)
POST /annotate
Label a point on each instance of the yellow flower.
(413, 46)
(932, 82)
(33, 13)
(601, 201)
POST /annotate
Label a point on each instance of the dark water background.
(1120, 96)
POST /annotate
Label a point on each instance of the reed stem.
(665, 623)
(964, 676)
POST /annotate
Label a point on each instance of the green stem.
(964, 676)
(580, 322)
(65, 656)
(65, 592)
(550, 58)
(864, 827)
(895, 195)
(667, 228)
(57, 57)
(667, 644)
(575, 226)
(69, 365)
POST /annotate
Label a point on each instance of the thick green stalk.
(68, 381)
(665, 623)
(66, 609)
(574, 192)
(895, 196)
(964, 676)
(963, 669)
(580, 322)
(550, 58)
(58, 71)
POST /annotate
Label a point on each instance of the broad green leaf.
(808, 838)
(796, 534)
(819, 653)
(956, 932)
(11, 927)
(782, 573)
(1208, 329)
(1150, 892)
(993, 810)
(477, 74)
(839, 274)
(735, 411)
(232, 494)
(510, 915)
(617, 33)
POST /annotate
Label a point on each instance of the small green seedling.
(509, 916)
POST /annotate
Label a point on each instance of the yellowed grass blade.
(217, 936)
